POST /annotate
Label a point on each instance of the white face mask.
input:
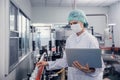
(76, 28)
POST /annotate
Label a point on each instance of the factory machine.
(111, 55)
(56, 48)
(57, 42)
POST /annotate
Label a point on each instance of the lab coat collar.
(78, 38)
(81, 34)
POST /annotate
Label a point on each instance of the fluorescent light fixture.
(41, 25)
(113, 24)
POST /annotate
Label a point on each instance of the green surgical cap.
(78, 15)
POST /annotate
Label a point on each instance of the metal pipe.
(74, 4)
(106, 17)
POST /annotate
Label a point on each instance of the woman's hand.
(85, 68)
(42, 63)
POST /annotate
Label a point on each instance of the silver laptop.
(92, 57)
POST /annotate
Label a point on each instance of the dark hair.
(85, 25)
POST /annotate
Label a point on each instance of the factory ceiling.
(71, 3)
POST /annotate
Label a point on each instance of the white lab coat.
(85, 40)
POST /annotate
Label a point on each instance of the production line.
(59, 40)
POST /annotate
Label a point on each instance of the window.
(28, 35)
(14, 36)
(24, 24)
(19, 36)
